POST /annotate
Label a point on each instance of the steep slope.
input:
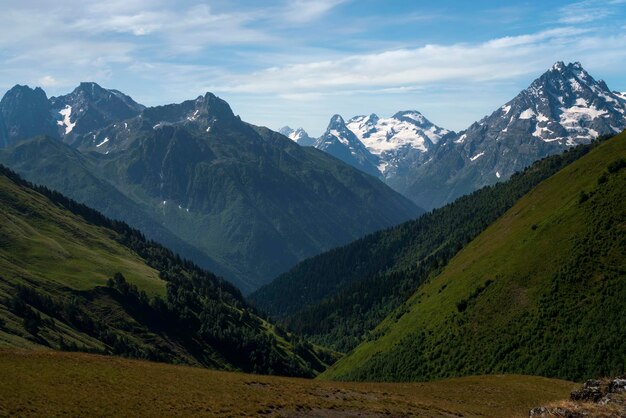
(541, 291)
(261, 202)
(338, 297)
(26, 113)
(72, 279)
(299, 136)
(49, 161)
(90, 108)
(340, 142)
(4, 135)
(564, 107)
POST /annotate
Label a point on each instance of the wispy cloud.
(279, 58)
(301, 11)
(588, 11)
(502, 58)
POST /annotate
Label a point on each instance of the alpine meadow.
(313, 208)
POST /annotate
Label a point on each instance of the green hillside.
(541, 291)
(72, 279)
(336, 298)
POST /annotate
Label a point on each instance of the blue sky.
(299, 62)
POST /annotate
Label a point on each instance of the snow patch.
(497, 174)
(527, 114)
(477, 156)
(506, 109)
(103, 142)
(340, 138)
(66, 113)
(461, 139)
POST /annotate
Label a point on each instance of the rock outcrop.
(597, 398)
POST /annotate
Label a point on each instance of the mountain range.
(241, 200)
(432, 166)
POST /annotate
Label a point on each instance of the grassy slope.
(555, 306)
(67, 261)
(40, 241)
(53, 384)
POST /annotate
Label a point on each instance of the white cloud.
(47, 81)
(588, 11)
(301, 11)
(498, 59)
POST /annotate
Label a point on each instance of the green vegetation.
(73, 279)
(243, 202)
(556, 265)
(338, 297)
(35, 383)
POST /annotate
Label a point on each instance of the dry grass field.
(48, 383)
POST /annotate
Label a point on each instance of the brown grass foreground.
(47, 383)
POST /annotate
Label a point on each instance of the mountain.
(4, 135)
(338, 297)
(299, 136)
(539, 292)
(60, 167)
(90, 107)
(433, 166)
(26, 113)
(342, 143)
(261, 202)
(562, 108)
(72, 279)
(399, 142)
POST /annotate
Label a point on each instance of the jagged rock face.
(203, 115)
(26, 113)
(299, 136)
(340, 142)
(90, 108)
(562, 108)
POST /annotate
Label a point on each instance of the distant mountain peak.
(89, 108)
(299, 136)
(336, 122)
(26, 113)
(342, 143)
(216, 106)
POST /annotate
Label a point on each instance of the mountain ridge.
(262, 202)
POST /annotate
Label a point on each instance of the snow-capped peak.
(404, 130)
(299, 136)
(565, 104)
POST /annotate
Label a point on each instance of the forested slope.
(72, 279)
(541, 291)
(337, 297)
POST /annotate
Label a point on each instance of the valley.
(313, 208)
